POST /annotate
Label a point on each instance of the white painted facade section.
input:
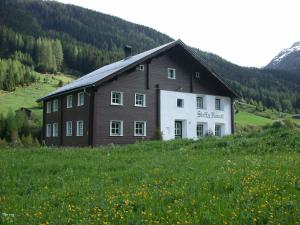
(191, 116)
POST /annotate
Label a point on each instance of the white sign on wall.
(209, 115)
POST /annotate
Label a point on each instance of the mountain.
(288, 60)
(51, 37)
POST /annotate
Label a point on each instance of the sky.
(245, 32)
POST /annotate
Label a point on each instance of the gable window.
(179, 103)
(116, 128)
(197, 75)
(200, 102)
(116, 98)
(200, 130)
(218, 130)
(49, 107)
(80, 99)
(69, 101)
(218, 104)
(55, 129)
(139, 128)
(171, 73)
(55, 105)
(140, 100)
(140, 67)
(48, 130)
(69, 128)
(79, 128)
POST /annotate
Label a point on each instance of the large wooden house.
(166, 89)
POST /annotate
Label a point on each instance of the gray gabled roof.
(118, 67)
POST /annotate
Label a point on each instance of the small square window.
(80, 99)
(218, 104)
(200, 102)
(79, 128)
(69, 101)
(48, 130)
(69, 128)
(140, 100)
(140, 67)
(116, 128)
(171, 73)
(55, 129)
(55, 105)
(116, 98)
(139, 128)
(180, 103)
(49, 107)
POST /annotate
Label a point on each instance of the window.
(49, 107)
(55, 129)
(80, 100)
(139, 128)
(171, 73)
(69, 101)
(69, 128)
(200, 130)
(79, 128)
(140, 67)
(218, 104)
(200, 104)
(55, 105)
(140, 100)
(48, 130)
(116, 98)
(179, 102)
(218, 130)
(197, 75)
(116, 128)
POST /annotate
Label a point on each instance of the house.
(165, 89)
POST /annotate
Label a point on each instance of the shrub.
(157, 135)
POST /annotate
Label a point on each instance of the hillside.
(51, 37)
(244, 179)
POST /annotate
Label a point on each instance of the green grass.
(252, 179)
(246, 118)
(27, 96)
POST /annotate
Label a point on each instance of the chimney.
(127, 51)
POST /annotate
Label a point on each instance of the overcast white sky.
(245, 32)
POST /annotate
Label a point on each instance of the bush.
(157, 135)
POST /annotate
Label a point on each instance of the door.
(178, 129)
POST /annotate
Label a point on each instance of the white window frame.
(221, 129)
(141, 67)
(197, 75)
(121, 98)
(144, 100)
(169, 73)
(48, 130)
(69, 128)
(221, 108)
(55, 105)
(55, 130)
(144, 128)
(69, 102)
(203, 130)
(121, 128)
(203, 102)
(80, 99)
(182, 100)
(48, 107)
(79, 130)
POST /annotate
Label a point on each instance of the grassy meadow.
(26, 96)
(241, 179)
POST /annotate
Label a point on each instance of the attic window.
(197, 75)
(171, 73)
(140, 67)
